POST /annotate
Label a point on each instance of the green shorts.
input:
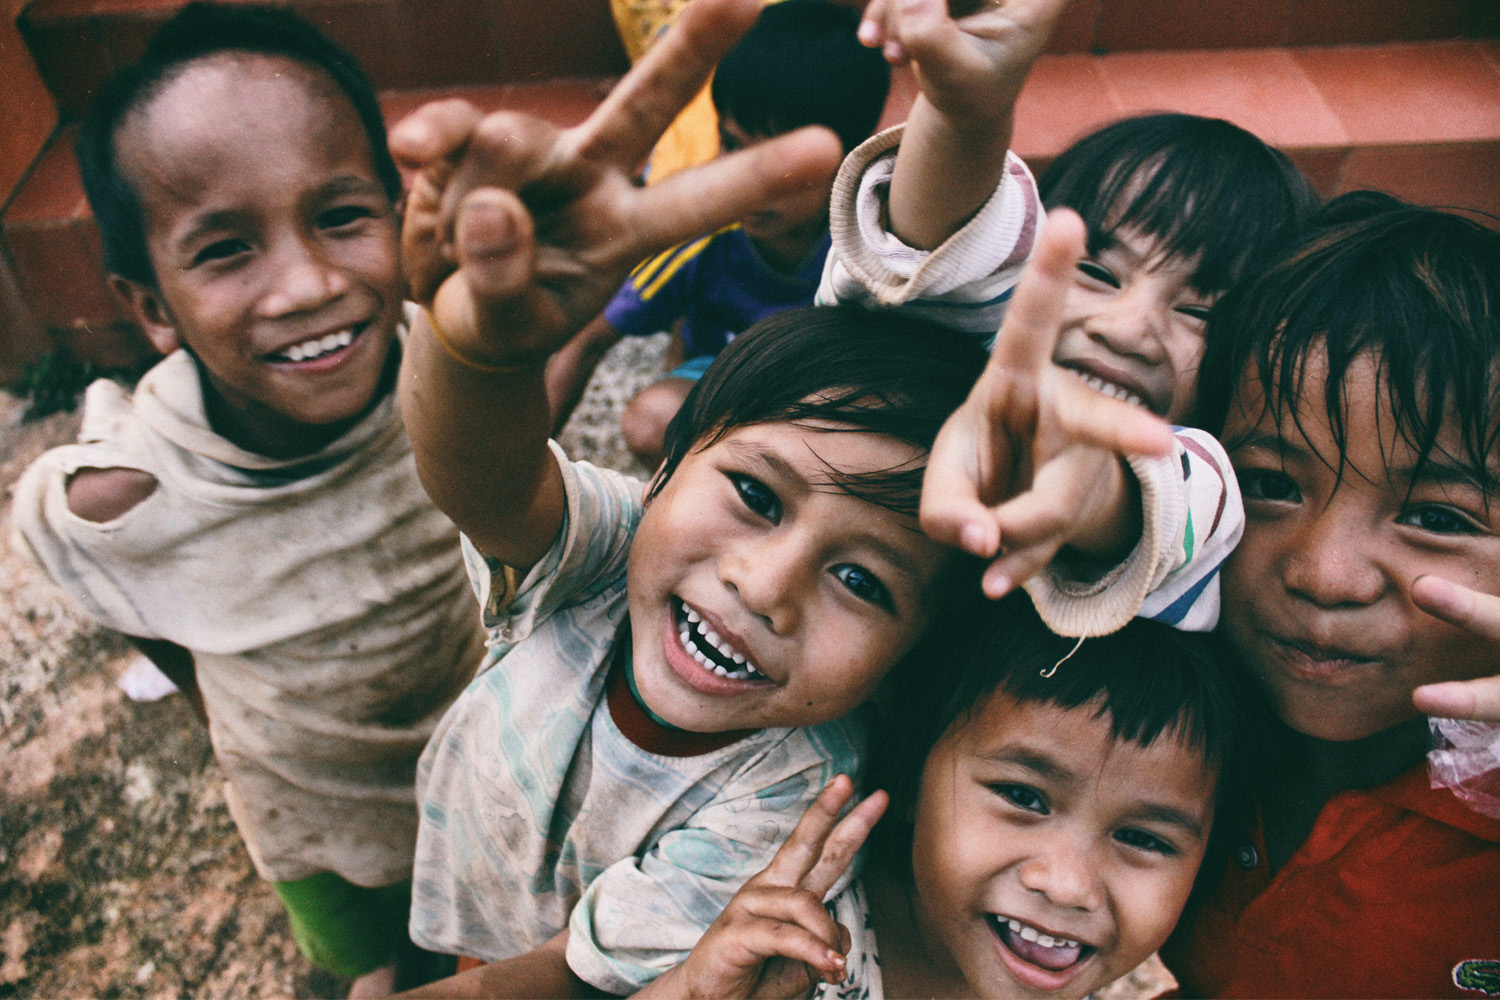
(345, 928)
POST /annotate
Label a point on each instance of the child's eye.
(864, 585)
(1268, 484)
(220, 250)
(1196, 312)
(1022, 796)
(343, 215)
(758, 497)
(1098, 272)
(1144, 841)
(1439, 520)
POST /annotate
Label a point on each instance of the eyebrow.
(1045, 767)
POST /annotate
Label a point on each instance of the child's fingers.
(872, 24)
(711, 196)
(1458, 605)
(493, 294)
(434, 132)
(844, 843)
(623, 129)
(953, 508)
(1033, 320)
(1478, 699)
(799, 855)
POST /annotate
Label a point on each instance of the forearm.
(945, 172)
(541, 972)
(480, 441)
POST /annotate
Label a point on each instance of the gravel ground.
(121, 874)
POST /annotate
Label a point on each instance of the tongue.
(1055, 959)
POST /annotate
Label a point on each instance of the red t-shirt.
(1396, 893)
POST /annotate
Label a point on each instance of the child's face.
(273, 242)
(761, 595)
(1133, 324)
(1317, 597)
(799, 215)
(1050, 858)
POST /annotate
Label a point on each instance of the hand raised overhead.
(517, 232)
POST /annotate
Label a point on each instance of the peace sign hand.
(1032, 460)
(775, 937)
(518, 232)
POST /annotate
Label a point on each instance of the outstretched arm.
(516, 235)
(970, 65)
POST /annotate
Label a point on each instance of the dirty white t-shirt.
(324, 600)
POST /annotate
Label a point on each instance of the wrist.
(473, 360)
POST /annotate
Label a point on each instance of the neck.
(912, 963)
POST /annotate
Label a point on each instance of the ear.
(146, 307)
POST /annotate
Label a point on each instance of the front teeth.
(319, 346)
(1029, 933)
(693, 638)
(1109, 388)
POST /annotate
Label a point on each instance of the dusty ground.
(121, 874)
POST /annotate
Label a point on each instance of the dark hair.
(801, 64)
(1203, 187)
(1416, 287)
(200, 30)
(1151, 681)
(869, 371)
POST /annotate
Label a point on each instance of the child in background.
(252, 515)
(799, 65)
(1359, 380)
(938, 219)
(1051, 821)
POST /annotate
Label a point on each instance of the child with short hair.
(1054, 812)
(938, 219)
(800, 64)
(251, 515)
(1358, 380)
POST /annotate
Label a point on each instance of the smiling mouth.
(1038, 948)
(1114, 390)
(714, 653)
(318, 347)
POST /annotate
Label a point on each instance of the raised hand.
(1032, 460)
(517, 232)
(775, 937)
(1479, 613)
(970, 56)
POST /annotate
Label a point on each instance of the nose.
(1330, 563)
(1065, 872)
(1130, 323)
(770, 573)
(304, 280)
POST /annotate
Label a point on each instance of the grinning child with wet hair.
(251, 516)
(1050, 821)
(936, 218)
(1359, 398)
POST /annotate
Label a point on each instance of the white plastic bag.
(1467, 760)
